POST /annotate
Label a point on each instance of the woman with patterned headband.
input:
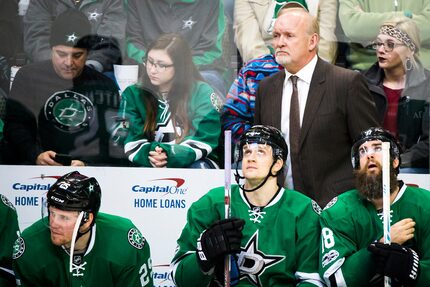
(401, 90)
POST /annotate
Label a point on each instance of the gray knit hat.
(70, 29)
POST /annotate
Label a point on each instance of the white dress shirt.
(303, 84)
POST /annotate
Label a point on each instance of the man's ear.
(313, 41)
(277, 166)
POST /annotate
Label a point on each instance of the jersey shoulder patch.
(217, 102)
(7, 202)
(135, 238)
(18, 248)
(331, 203)
(316, 207)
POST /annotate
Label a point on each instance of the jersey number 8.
(327, 238)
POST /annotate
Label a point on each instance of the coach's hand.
(221, 238)
(396, 261)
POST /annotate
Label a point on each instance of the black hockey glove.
(221, 238)
(396, 261)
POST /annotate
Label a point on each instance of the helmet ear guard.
(86, 217)
(371, 134)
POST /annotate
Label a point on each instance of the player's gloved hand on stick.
(396, 261)
(234, 272)
(221, 238)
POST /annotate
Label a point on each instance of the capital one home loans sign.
(156, 200)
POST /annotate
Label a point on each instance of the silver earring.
(408, 64)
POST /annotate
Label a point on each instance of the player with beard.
(352, 252)
(369, 179)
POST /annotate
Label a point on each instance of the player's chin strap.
(238, 177)
(75, 238)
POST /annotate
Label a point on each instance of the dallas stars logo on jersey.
(18, 248)
(253, 262)
(6, 201)
(135, 238)
(69, 111)
(217, 102)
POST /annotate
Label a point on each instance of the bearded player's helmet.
(371, 134)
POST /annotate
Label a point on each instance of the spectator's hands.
(77, 162)
(401, 231)
(47, 158)
(358, 9)
(158, 158)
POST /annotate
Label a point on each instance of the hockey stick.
(227, 197)
(386, 198)
(74, 235)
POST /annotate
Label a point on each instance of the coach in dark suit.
(320, 115)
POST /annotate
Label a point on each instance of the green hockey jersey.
(279, 244)
(9, 232)
(349, 224)
(202, 140)
(117, 255)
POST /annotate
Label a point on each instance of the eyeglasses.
(159, 67)
(364, 151)
(388, 46)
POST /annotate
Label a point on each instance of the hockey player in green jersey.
(78, 246)
(272, 234)
(352, 248)
(9, 231)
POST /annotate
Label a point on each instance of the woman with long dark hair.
(173, 115)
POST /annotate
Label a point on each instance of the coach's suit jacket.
(338, 108)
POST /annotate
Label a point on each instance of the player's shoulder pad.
(135, 238)
(18, 248)
(7, 202)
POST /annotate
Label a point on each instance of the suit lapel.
(276, 105)
(315, 96)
